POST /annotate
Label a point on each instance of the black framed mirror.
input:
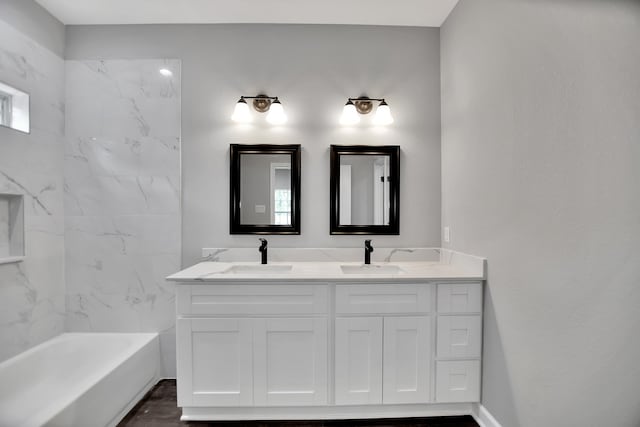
(365, 189)
(265, 189)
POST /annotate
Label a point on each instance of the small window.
(14, 108)
(5, 109)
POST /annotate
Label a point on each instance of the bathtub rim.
(103, 371)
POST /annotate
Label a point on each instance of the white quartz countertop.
(328, 271)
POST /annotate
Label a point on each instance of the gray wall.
(541, 155)
(313, 69)
(35, 22)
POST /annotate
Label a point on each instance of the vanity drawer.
(251, 299)
(460, 298)
(458, 381)
(383, 298)
(459, 337)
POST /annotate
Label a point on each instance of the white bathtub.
(78, 379)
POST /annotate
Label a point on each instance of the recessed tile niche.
(11, 228)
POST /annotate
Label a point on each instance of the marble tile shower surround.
(122, 197)
(32, 292)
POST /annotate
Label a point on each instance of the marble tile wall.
(32, 292)
(122, 197)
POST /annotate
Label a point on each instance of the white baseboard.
(483, 417)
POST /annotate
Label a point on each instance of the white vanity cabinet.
(459, 342)
(383, 343)
(252, 345)
(215, 362)
(265, 349)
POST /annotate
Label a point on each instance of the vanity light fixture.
(262, 104)
(364, 105)
(349, 114)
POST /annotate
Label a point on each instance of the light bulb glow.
(276, 115)
(383, 115)
(166, 72)
(349, 115)
(241, 113)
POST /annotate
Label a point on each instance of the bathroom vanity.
(315, 340)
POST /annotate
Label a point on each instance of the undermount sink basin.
(258, 269)
(371, 269)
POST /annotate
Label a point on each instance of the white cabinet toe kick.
(328, 350)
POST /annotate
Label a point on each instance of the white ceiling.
(423, 13)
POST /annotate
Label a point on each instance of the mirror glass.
(14, 108)
(265, 189)
(365, 189)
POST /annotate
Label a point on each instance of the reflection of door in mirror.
(381, 190)
(364, 190)
(280, 190)
(265, 189)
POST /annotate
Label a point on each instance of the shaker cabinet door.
(407, 359)
(290, 362)
(214, 362)
(358, 360)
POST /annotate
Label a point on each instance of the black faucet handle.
(263, 250)
(263, 243)
(367, 251)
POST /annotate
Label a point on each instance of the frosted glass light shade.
(349, 115)
(383, 115)
(241, 113)
(276, 115)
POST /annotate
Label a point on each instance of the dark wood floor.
(158, 409)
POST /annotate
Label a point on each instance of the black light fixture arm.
(273, 98)
(364, 104)
(261, 103)
(364, 98)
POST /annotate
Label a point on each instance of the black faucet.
(367, 251)
(263, 250)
